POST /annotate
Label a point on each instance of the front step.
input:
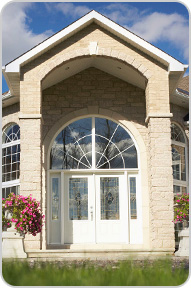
(111, 254)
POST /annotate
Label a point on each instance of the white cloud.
(17, 37)
(71, 10)
(172, 28)
(154, 27)
(121, 13)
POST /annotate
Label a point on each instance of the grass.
(125, 273)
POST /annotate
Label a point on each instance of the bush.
(182, 208)
(26, 214)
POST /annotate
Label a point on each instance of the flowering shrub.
(26, 214)
(182, 208)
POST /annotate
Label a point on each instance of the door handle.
(91, 212)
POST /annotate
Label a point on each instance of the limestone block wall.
(161, 184)
(10, 114)
(93, 87)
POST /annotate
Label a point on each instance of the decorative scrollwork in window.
(108, 142)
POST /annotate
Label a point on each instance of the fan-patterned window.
(96, 143)
(10, 160)
(179, 165)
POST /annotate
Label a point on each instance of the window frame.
(93, 134)
(180, 182)
(14, 182)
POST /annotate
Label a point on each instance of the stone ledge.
(158, 115)
(30, 116)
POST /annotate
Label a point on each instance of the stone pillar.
(30, 157)
(161, 185)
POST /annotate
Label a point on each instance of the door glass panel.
(133, 202)
(109, 201)
(78, 198)
(55, 198)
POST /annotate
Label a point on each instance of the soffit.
(109, 66)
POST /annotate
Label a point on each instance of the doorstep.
(109, 254)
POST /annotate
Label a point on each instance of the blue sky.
(25, 24)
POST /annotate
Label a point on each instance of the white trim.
(174, 65)
(10, 144)
(93, 143)
(11, 183)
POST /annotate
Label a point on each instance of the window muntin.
(81, 141)
(10, 160)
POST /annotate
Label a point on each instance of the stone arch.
(103, 52)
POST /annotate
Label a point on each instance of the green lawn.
(126, 273)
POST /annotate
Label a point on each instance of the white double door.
(95, 209)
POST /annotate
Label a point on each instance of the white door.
(95, 209)
(79, 202)
(111, 209)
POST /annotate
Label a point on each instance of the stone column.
(30, 157)
(161, 185)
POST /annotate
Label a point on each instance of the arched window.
(179, 158)
(10, 160)
(93, 143)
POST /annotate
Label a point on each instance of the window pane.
(55, 198)
(178, 162)
(70, 145)
(105, 127)
(179, 189)
(10, 163)
(109, 198)
(78, 198)
(133, 202)
(8, 190)
(176, 134)
(11, 133)
(114, 146)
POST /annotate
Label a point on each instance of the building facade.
(94, 129)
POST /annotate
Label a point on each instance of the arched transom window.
(179, 157)
(93, 143)
(10, 160)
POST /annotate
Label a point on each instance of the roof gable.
(116, 29)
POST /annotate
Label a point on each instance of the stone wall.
(10, 114)
(93, 87)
